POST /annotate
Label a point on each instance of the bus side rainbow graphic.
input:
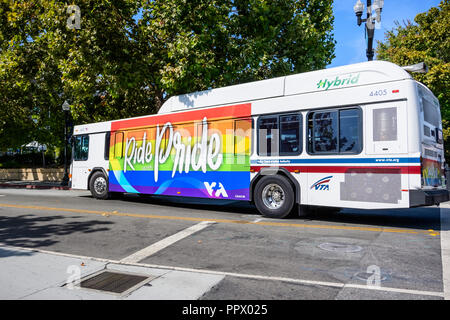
(196, 153)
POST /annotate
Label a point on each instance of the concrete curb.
(46, 276)
(32, 186)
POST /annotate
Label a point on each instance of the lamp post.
(66, 109)
(370, 21)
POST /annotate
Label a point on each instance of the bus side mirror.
(418, 68)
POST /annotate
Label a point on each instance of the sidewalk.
(55, 185)
(41, 275)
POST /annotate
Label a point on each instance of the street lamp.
(359, 8)
(66, 108)
(370, 21)
(378, 6)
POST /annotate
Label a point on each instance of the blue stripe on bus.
(354, 160)
(194, 179)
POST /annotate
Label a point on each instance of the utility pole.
(66, 109)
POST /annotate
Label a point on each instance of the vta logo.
(219, 189)
(322, 184)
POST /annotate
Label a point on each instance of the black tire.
(284, 192)
(99, 186)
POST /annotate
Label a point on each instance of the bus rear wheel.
(99, 186)
(274, 196)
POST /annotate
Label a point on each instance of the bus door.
(80, 159)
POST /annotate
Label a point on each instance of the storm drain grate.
(112, 282)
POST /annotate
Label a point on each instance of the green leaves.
(131, 55)
(208, 44)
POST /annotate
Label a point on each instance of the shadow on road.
(242, 207)
(33, 231)
(10, 253)
(424, 218)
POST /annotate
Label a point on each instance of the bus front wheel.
(274, 196)
(99, 186)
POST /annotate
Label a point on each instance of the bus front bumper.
(418, 198)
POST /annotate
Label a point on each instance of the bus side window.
(107, 145)
(350, 131)
(385, 124)
(290, 135)
(242, 136)
(198, 130)
(324, 132)
(81, 148)
(335, 132)
(268, 136)
(164, 138)
(118, 145)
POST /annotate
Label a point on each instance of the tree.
(43, 63)
(129, 56)
(197, 45)
(428, 40)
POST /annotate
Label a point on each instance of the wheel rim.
(273, 196)
(100, 185)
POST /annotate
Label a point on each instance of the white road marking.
(243, 275)
(164, 243)
(445, 251)
(2, 195)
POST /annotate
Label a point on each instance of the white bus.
(363, 136)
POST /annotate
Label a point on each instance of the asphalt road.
(354, 254)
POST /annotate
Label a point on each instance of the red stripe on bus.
(326, 181)
(346, 169)
(235, 111)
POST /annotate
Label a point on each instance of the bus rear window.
(430, 113)
(81, 148)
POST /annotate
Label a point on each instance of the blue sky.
(351, 43)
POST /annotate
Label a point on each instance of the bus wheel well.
(94, 170)
(276, 171)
